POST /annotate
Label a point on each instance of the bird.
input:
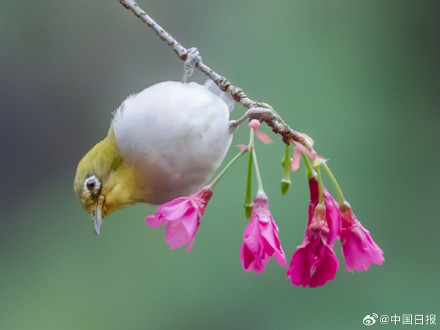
(163, 143)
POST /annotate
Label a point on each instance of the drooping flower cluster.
(314, 262)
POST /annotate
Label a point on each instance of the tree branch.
(272, 119)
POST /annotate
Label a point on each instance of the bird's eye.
(92, 183)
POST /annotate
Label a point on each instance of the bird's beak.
(97, 215)
(97, 219)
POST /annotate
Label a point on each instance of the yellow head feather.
(113, 186)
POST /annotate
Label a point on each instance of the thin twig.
(287, 133)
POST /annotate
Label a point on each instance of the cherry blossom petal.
(243, 147)
(300, 265)
(299, 149)
(263, 137)
(325, 267)
(176, 234)
(175, 209)
(154, 221)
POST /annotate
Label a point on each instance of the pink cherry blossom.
(260, 238)
(358, 248)
(182, 217)
(314, 263)
(254, 124)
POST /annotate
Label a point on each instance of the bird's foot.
(192, 58)
(252, 113)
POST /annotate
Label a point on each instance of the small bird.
(163, 143)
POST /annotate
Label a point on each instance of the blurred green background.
(361, 77)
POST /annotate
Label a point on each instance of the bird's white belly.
(174, 135)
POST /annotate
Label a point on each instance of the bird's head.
(103, 183)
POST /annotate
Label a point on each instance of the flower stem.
(257, 171)
(223, 171)
(248, 205)
(310, 171)
(285, 163)
(248, 199)
(254, 156)
(341, 198)
(321, 192)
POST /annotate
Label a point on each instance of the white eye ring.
(92, 183)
